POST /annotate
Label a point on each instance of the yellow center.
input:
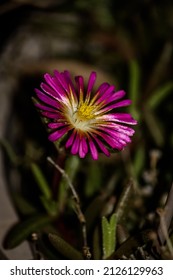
(85, 112)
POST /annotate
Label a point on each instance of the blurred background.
(129, 44)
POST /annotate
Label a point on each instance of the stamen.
(86, 112)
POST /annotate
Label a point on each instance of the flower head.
(87, 118)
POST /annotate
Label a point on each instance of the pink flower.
(86, 119)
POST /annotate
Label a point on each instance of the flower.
(86, 119)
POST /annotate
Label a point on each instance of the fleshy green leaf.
(71, 168)
(41, 181)
(109, 235)
(14, 158)
(123, 202)
(139, 160)
(22, 230)
(134, 81)
(50, 206)
(155, 128)
(97, 250)
(112, 225)
(93, 181)
(93, 211)
(159, 94)
(23, 206)
(64, 248)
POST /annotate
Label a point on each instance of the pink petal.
(57, 134)
(113, 97)
(55, 125)
(111, 141)
(102, 88)
(50, 82)
(45, 108)
(102, 146)
(60, 80)
(106, 94)
(70, 139)
(51, 92)
(93, 149)
(46, 99)
(116, 135)
(122, 103)
(75, 145)
(64, 80)
(118, 117)
(51, 115)
(80, 86)
(83, 148)
(119, 128)
(84, 145)
(69, 81)
(91, 82)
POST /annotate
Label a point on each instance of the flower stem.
(79, 212)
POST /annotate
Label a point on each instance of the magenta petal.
(122, 103)
(51, 115)
(118, 117)
(83, 148)
(116, 135)
(45, 108)
(75, 145)
(84, 145)
(125, 118)
(58, 94)
(93, 149)
(102, 88)
(70, 139)
(62, 80)
(55, 85)
(55, 125)
(57, 134)
(119, 128)
(50, 81)
(102, 146)
(111, 141)
(117, 95)
(80, 86)
(91, 82)
(81, 152)
(106, 94)
(114, 97)
(46, 99)
(49, 91)
(58, 89)
(116, 105)
(126, 130)
(69, 80)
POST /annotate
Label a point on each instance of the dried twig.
(164, 230)
(167, 215)
(79, 212)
